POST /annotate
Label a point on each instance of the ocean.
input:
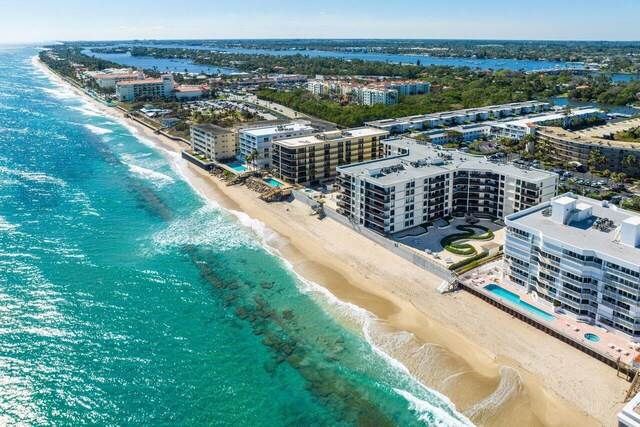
(128, 299)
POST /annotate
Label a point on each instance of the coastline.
(470, 352)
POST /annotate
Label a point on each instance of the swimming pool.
(515, 299)
(592, 337)
(272, 182)
(237, 166)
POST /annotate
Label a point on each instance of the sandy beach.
(497, 370)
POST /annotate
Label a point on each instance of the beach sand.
(496, 369)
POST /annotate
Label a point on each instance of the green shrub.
(448, 242)
(470, 262)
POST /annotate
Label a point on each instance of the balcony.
(376, 221)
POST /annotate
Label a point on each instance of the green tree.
(455, 137)
(596, 158)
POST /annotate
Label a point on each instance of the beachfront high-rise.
(313, 159)
(582, 255)
(215, 142)
(417, 183)
(259, 139)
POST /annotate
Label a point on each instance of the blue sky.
(46, 20)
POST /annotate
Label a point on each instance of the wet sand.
(497, 370)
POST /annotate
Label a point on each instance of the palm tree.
(252, 157)
(596, 158)
(630, 160)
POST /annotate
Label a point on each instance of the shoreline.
(476, 351)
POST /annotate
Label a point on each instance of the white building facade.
(214, 142)
(581, 255)
(260, 139)
(145, 89)
(419, 183)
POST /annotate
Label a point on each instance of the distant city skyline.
(39, 20)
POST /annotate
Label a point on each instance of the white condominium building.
(418, 183)
(145, 89)
(581, 254)
(259, 139)
(214, 142)
(381, 95)
(410, 87)
(384, 92)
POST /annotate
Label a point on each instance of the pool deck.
(563, 324)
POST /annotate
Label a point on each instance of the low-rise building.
(577, 146)
(145, 89)
(452, 118)
(518, 128)
(313, 159)
(259, 139)
(581, 255)
(186, 92)
(469, 133)
(416, 183)
(214, 142)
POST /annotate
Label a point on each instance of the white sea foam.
(35, 177)
(367, 321)
(203, 228)
(157, 178)
(431, 415)
(60, 92)
(509, 387)
(88, 110)
(7, 226)
(98, 130)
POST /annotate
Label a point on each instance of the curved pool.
(592, 337)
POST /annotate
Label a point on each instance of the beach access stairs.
(449, 284)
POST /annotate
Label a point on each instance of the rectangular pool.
(237, 166)
(272, 182)
(515, 299)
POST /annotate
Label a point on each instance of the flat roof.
(424, 160)
(463, 112)
(278, 129)
(324, 137)
(211, 128)
(523, 122)
(582, 234)
(596, 135)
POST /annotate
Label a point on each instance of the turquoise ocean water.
(126, 299)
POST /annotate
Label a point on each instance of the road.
(280, 109)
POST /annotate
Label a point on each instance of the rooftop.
(115, 75)
(597, 135)
(426, 160)
(213, 129)
(324, 137)
(143, 81)
(547, 117)
(487, 109)
(278, 129)
(583, 234)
